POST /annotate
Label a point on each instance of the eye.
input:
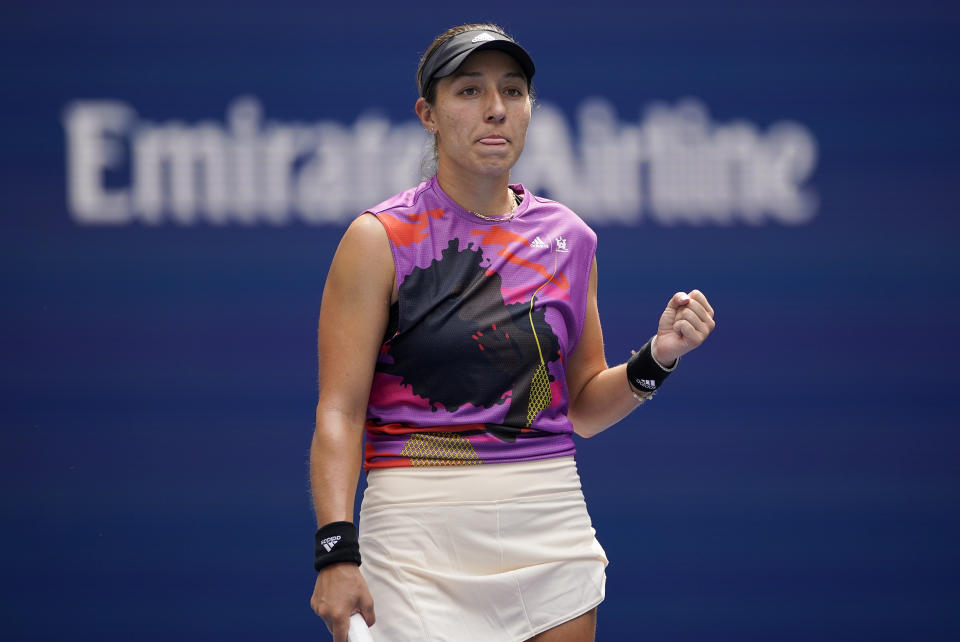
(514, 92)
(469, 91)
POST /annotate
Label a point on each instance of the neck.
(486, 195)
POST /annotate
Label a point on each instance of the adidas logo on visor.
(483, 37)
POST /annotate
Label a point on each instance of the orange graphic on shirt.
(404, 233)
(499, 236)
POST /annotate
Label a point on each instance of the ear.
(426, 114)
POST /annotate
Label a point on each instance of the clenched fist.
(684, 325)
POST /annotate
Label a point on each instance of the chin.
(499, 165)
(493, 170)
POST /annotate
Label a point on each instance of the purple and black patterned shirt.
(472, 369)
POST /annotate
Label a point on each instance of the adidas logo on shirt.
(538, 242)
(649, 384)
(330, 542)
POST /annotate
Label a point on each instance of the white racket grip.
(359, 631)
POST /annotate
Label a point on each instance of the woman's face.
(480, 115)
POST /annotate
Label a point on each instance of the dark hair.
(430, 95)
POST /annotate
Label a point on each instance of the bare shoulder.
(366, 235)
(363, 264)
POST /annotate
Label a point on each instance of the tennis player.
(459, 334)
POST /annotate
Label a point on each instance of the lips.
(493, 139)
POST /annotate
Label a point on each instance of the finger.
(698, 317)
(701, 298)
(697, 309)
(701, 325)
(339, 628)
(688, 331)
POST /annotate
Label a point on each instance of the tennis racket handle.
(359, 632)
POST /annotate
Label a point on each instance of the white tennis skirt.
(485, 553)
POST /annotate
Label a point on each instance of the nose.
(496, 110)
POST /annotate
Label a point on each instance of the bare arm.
(600, 396)
(353, 317)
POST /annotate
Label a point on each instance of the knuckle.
(321, 607)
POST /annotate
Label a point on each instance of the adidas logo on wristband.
(330, 542)
(648, 384)
(335, 543)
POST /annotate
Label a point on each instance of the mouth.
(493, 139)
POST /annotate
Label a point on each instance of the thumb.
(678, 300)
(366, 611)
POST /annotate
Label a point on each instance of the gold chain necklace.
(504, 217)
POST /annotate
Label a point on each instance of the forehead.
(489, 61)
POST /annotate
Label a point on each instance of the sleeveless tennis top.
(472, 368)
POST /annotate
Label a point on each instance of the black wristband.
(336, 542)
(644, 372)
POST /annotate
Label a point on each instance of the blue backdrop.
(797, 479)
